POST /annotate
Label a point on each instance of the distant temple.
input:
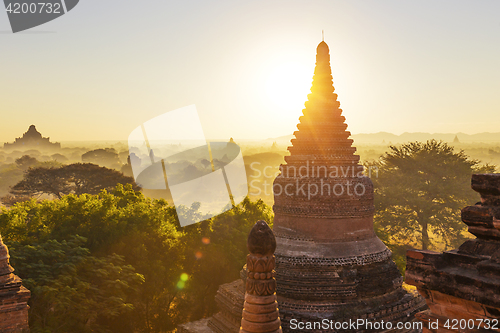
(330, 264)
(31, 139)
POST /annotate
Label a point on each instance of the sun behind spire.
(329, 261)
(322, 134)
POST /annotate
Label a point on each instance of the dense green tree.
(215, 253)
(420, 189)
(71, 290)
(144, 232)
(182, 267)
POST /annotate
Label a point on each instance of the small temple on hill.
(32, 139)
(330, 265)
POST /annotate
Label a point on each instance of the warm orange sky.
(108, 66)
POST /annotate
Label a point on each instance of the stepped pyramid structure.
(330, 265)
(32, 139)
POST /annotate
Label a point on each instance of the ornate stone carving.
(260, 275)
(260, 310)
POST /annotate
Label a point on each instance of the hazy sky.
(398, 66)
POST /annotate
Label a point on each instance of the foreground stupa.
(331, 268)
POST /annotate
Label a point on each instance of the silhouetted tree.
(420, 189)
(59, 157)
(107, 157)
(205, 163)
(75, 178)
(24, 162)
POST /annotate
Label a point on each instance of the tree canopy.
(97, 249)
(107, 157)
(420, 190)
(71, 290)
(24, 162)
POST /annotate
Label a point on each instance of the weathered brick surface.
(13, 297)
(464, 284)
(329, 262)
(260, 310)
(199, 326)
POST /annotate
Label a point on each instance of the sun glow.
(288, 85)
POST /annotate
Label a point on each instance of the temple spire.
(322, 134)
(322, 79)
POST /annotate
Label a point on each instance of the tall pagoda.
(330, 265)
(329, 262)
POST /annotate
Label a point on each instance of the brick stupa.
(329, 262)
(462, 287)
(13, 297)
(330, 265)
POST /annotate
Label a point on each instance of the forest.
(100, 254)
